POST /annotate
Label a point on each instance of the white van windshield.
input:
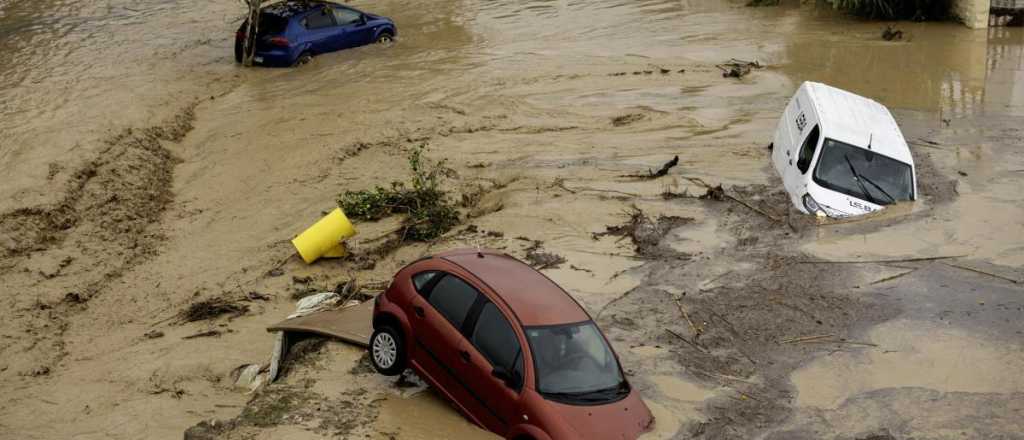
(863, 174)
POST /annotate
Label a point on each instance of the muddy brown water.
(516, 93)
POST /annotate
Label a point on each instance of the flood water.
(75, 71)
(543, 80)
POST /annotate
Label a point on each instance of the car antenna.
(871, 137)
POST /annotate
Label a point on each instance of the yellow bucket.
(325, 237)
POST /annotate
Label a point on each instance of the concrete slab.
(350, 324)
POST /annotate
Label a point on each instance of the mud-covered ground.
(147, 209)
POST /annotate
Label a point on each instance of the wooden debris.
(681, 338)
(890, 278)
(806, 338)
(897, 260)
(206, 334)
(979, 271)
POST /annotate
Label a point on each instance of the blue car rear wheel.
(305, 58)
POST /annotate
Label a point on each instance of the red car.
(513, 351)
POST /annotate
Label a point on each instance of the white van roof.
(857, 120)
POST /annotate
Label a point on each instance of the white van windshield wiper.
(856, 178)
(879, 188)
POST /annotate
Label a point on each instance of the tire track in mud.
(58, 257)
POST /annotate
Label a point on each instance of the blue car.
(293, 32)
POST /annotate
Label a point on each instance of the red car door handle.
(419, 311)
(465, 355)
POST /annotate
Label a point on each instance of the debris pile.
(647, 233)
(212, 308)
(890, 33)
(735, 68)
(540, 259)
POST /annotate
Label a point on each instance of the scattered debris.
(646, 233)
(714, 193)
(806, 339)
(735, 68)
(212, 308)
(206, 334)
(890, 33)
(153, 334)
(275, 272)
(687, 341)
(897, 260)
(248, 376)
(75, 298)
(314, 303)
(979, 271)
(627, 119)
(257, 296)
(651, 174)
(541, 260)
(580, 269)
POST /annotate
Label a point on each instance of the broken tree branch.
(681, 338)
(979, 271)
(806, 338)
(898, 260)
(890, 278)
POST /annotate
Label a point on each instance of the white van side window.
(803, 162)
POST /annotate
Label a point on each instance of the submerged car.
(841, 154)
(513, 351)
(292, 32)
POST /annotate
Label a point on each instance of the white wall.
(973, 13)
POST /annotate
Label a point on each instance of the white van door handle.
(787, 153)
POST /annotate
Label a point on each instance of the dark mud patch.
(924, 413)
(286, 404)
(647, 233)
(306, 352)
(733, 335)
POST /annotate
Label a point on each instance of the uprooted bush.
(430, 212)
(212, 308)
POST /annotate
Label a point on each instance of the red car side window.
(453, 298)
(423, 281)
(496, 340)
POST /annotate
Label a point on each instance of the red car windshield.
(573, 363)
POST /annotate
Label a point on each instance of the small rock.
(153, 334)
(275, 272)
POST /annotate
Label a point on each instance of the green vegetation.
(430, 211)
(895, 9)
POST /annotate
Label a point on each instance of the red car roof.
(535, 299)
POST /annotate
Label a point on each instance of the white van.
(840, 154)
